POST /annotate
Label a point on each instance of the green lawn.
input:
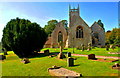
(96, 51)
(39, 65)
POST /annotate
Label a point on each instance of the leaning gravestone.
(61, 55)
(112, 46)
(25, 60)
(2, 57)
(70, 61)
(69, 54)
(91, 56)
(46, 52)
(116, 66)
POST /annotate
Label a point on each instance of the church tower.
(79, 33)
(73, 12)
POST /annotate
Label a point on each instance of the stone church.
(78, 33)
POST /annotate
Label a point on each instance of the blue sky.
(41, 12)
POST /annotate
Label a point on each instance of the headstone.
(91, 56)
(113, 47)
(70, 61)
(116, 66)
(78, 48)
(63, 73)
(46, 52)
(4, 51)
(82, 45)
(69, 54)
(89, 46)
(25, 60)
(61, 55)
(2, 57)
(107, 47)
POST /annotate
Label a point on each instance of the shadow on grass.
(36, 55)
(58, 52)
(75, 65)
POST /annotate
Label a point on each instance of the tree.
(113, 37)
(101, 24)
(23, 37)
(65, 24)
(107, 36)
(50, 26)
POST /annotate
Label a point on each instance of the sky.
(42, 12)
(59, 0)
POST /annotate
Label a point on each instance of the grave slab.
(64, 73)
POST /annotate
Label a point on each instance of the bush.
(23, 37)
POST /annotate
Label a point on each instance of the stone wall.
(54, 35)
(74, 23)
(101, 34)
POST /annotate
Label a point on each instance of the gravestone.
(25, 60)
(89, 46)
(2, 57)
(60, 72)
(113, 47)
(70, 61)
(69, 54)
(77, 47)
(46, 52)
(61, 55)
(83, 47)
(4, 51)
(116, 66)
(107, 47)
(91, 56)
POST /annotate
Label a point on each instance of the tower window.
(79, 32)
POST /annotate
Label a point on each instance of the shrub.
(23, 37)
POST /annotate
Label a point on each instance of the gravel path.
(96, 56)
(105, 57)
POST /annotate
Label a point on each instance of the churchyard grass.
(12, 66)
(96, 51)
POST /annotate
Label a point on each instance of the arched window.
(79, 32)
(60, 36)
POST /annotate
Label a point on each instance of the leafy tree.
(65, 24)
(113, 37)
(107, 35)
(50, 26)
(101, 24)
(23, 37)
